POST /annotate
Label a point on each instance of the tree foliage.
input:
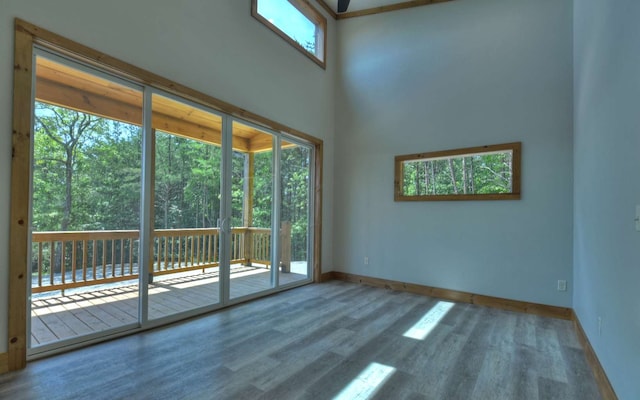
(86, 173)
(187, 183)
(87, 176)
(295, 178)
(478, 174)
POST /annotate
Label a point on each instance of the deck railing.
(65, 260)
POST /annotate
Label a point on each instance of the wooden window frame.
(515, 147)
(26, 37)
(306, 9)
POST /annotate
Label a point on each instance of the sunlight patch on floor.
(365, 385)
(421, 329)
(157, 289)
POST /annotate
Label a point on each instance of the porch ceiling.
(68, 87)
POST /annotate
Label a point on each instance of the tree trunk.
(509, 165)
(205, 206)
(433, 176)
(166, 212)
(426, 177)
(453, 177)
(464, 175)
(417, 183)
(471, 177)
(68, 197)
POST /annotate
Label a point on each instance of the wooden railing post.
(248, 247)
(154, 256)
(285, 246)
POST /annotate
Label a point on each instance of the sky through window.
(287, 18)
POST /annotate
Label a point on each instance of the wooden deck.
(87, 311)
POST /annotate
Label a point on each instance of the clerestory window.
(297, 22)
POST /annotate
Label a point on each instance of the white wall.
(458, 74)
(212, 46)
(607, 185)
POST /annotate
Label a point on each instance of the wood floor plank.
(238, 380)
(318, 342)
(526, 378)
(294, 361)
(293, 386)
(40, 332)
(549, 357)
(57, 325)
(86, 318)
(398, 386)
(552, 389)
(117, 315)
(98, 313)
(578, 373)
(496, 376)
(384, 317)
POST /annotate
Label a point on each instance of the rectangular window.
(476, 173)
(297, 22)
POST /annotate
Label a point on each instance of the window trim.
(314, 16)
(515, 147)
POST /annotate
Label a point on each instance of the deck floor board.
(81, 313)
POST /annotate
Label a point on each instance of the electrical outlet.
(562, 285)
(366, 261)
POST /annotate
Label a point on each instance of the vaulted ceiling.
(359, 5)
(359, 8)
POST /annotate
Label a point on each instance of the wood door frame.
(26, 36)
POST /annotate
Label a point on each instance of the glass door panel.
(295, 199)
(85, 203)
(251, 214)
(185, 274)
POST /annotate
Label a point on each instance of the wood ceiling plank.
(186, 112)
(62, 74)
(65, 96)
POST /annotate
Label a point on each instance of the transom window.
(297, 22)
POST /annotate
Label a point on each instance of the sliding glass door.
(296, 161)
(148, 208)
(252, 216)
(272, 248)
(85, 203)
(184, 270)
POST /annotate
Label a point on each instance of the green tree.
(61, 138)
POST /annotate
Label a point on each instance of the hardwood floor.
(324, 341)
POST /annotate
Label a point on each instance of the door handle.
(225, 225)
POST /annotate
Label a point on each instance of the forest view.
(489, 173)
(87, 176)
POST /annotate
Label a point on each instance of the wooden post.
(248, 247)
(247, 213)
(20, 222)
(285, 246)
